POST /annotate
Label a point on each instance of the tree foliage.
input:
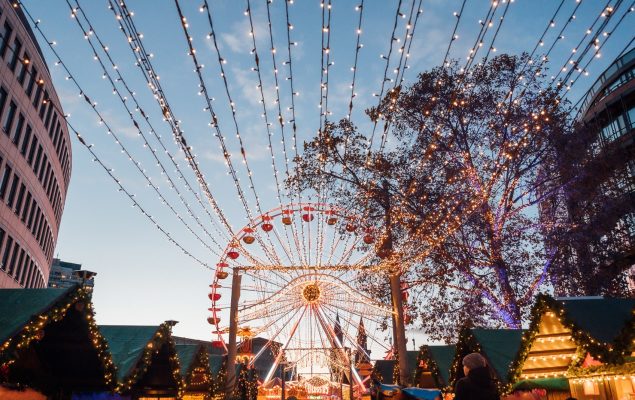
(455, 194)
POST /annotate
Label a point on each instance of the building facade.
(597, 168)
(64, 274)
(35, 156)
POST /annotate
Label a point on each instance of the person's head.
(472, 361)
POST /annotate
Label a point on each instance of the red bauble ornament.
(267, 227)
(286, 220)
(233, 254)
(307, 217)
(249, 239)
(369, 239)
(351, 227)
(218, 344)
(331, 221)
(213, 320)
(214, 296)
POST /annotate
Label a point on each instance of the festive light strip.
(383, 83)
(127, 27)
(33, 330)
(485, 23)
(491, 47)
(454, 35)
(108, 170)
(358, 47)
(136, 163)
(153, 131)
(273, 257)
(404, 51)
(264, 114)
(606, 14)
(584, 70)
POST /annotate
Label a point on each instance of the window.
(25, 209)
(18, 203)
(7, 252)
(34, 144)
(18, 265)
(8, 120)
(38, 93)
(13, 190)
(18, 130)
(44, 104)
(23, 68)
(14, 257)
(2, 235)
(17, 49)
(27, 137)
(32, 77)
(3, 99)
(37, 159)
(4, 181)
(5, 34)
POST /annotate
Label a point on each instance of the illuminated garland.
(466, 344)
(602, 351)
(163, 337)
(425, 356)
(34, 330)
(601, 370)
(200, 368)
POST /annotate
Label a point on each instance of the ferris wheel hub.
(311, 293)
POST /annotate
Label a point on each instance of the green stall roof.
(602, 318)
(187, 356)
(443, 356)
(126, 344)
(500, 346)
(19, 306)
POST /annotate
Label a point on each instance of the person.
(477, 383)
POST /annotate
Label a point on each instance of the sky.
(142, 278)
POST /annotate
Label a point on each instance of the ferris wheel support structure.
(233, 329)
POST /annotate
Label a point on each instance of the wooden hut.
(195, 371)
(433, 367)
(146, 360)
(579, 347)
(49, 342)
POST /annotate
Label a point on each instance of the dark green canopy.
(443, 357)
(500, 347)
(126, 344)
(602, 318)
(187, 356)
(385, 369)
(19, 306)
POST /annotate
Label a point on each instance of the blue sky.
(144, 279)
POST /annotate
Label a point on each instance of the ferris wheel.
(295, 272)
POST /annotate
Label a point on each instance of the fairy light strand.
(88, 34)
(111, 131)
(128, 29)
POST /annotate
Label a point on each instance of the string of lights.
(131, 94)
(143, 62)
(454, 36)
(89, 34)
(607, 13)
(400, 70)
(385, 78)
(478, 43)
(358, 47)
(272, 256)
(491, 47)
(584, 70)
(110, 130)
(325, 62)
(257, 69)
